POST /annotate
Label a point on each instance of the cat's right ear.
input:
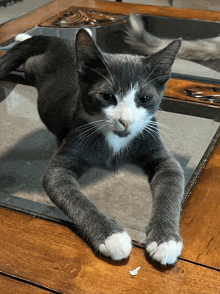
(160, 63)
(87, 53)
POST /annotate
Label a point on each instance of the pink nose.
(125, 124)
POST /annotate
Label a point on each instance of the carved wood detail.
(77, 17)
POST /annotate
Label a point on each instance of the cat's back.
(59, 58)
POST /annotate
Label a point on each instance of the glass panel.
(27, 147)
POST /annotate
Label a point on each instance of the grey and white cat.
(101, 107)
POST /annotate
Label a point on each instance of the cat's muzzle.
(122, 134)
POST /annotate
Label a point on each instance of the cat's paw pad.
(118, 246)
(165, 253)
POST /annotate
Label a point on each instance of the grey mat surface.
(26, 148)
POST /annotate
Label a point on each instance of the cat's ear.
(162, 61)
(88, 55)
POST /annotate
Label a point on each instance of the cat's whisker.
(92, 134)
(153, 128)
(86, 130)
(156, 126)
(163, 128)
(110, 123)
(162, 125)
(159, 124)
(150, 74)
(161, 132)
(84, 134)
(155, 136)
(165, 76)
(93, 130)
(106, 66)
(152, 131)
(89, 135)
(83, 128)
(85, 138)
(88, 125)
(112, 85)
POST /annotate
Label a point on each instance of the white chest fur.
(117, 143)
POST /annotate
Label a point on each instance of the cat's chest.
(118, 144)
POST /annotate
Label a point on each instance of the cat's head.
(121, 93)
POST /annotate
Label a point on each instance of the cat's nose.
(126, 124)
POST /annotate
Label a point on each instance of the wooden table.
(40, 256)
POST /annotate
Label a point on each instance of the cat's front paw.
(117, 246)
(166, 252)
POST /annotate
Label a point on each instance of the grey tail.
(16, 56)
(146, 44)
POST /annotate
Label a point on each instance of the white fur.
(22, 37)
(136, 25)
(118, 246)
(118, 143)
(165, 253)
(126, 110)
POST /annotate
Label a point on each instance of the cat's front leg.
(102, 233)
(163, 242)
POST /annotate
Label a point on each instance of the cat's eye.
(109, 97)
(145, 99)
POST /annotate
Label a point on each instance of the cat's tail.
(27, 47)
(145, 43)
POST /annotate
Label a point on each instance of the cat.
(101, 107)
(146, 43)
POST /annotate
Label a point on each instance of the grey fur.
(70, 84)
(146, 43)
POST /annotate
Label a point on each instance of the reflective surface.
(27, 147)
(78, 17)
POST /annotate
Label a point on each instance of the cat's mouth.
(122, 134)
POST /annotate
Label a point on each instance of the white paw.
(22, 37)
(118, 246)
(165, 253)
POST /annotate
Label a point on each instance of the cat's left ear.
(87, 53)
(162, 61)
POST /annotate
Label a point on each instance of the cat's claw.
(165, 253)
(118, 246)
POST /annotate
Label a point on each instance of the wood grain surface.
(200, 225)
(53, 256)
(11, 286)
(11, 28)
(177, 88)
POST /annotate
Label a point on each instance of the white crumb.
(134, 272)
